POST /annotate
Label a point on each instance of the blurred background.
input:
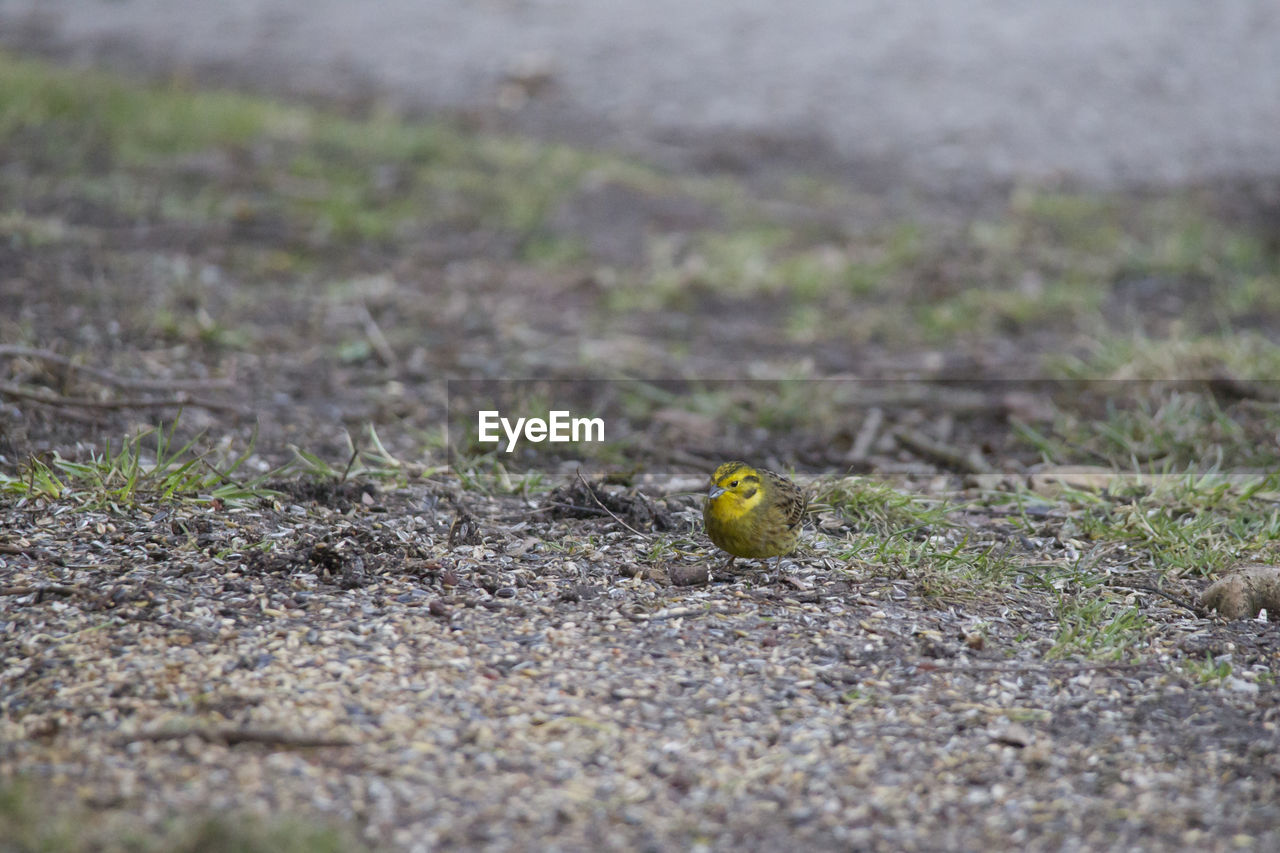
(939, 96)
(334, 208)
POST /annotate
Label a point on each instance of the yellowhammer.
(752, 513)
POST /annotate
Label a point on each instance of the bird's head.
(735, 489)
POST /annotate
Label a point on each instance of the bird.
(752, 513)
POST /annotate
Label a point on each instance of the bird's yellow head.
(735, 490)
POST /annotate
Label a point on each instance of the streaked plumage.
(753, 513)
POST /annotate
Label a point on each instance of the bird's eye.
(734, 484)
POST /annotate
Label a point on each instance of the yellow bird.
(752, 513)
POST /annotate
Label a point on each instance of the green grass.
(1053, 262)
(1207, 672)
(1190, 525)
(1169, 426)
(1094, 625)
(876, 508)
(366, 459)
(310, 174)
(151, 468)
(148, 468)
(1241, 354)
(486, 474)
(901, 534)
(1165, 528)
(310, 182)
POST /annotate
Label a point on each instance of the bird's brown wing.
(791, 499)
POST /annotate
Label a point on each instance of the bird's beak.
(714, 492)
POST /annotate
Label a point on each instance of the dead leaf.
(1052, 480)
(1244, 592)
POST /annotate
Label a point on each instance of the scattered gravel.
(548, 688)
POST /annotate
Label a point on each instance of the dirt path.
(1152, 91)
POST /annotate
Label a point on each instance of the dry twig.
(232, 736)
(59, 401)
(377, 340)
(115, 380)
(40, 589)
(866, 435)
(677, 613)
(1181, 602)
(970, 462)
(592, 492)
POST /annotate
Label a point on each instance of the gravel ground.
(941, 98)
(538, 684)
(529, 681)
